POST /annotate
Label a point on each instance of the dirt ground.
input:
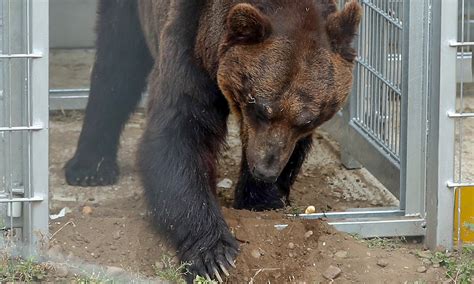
(108, 226)
(116, 232)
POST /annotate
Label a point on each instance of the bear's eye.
(306, 123)
(261, 113)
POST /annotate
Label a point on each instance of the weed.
(202, 280)
(168, 270)
(23, 270)
(459, 266)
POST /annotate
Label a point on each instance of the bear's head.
(285, 67)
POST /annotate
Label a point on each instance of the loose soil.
(108, 226)
(114, 230)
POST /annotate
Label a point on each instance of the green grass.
(459, 266)
(168, 270)
(382, 243)
(21, 270)
(202, 280)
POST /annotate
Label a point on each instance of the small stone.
(427, 262)
(332, 272)
(116, 235)
(86, 210)
(55, 253)
(115, 271)
(159, 265)
(382, 262)
(436, 265)
(60, 270)
(308, 234)
(341, 254)
(291, 245)
(113, 248)
(421, 269)
(255, 253)
(225, 183)
(310, 210)
(424, 254)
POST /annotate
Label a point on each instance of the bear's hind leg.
(122, 64)
(252, 194)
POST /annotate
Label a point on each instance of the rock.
(115, 271)
(341, 254)
(116, 235)
(159, 265)
(291, 245)
(113, 248)
(310, 210)
(308, 234)
(55, 253)
(382, 262)
(225, 183)
(332, 272)
(86, 210)
(255, 253)
(436, 265)
(421, 269)
(425, 254)
(60, 270)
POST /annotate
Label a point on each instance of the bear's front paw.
(91, 171)
(214, 261)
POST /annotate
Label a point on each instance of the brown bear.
(283, 67)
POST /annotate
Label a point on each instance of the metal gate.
(384, 124)
(24, 119)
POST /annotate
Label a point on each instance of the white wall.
(72, 23)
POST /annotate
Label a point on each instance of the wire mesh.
(464, 146)
(16, 117)
(378, 73)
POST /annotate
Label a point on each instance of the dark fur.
(204, 58)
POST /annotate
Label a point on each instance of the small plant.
(168, 270)
(202, 280)
(384, 243)
(22, 270)
(459, 267)
(93, 278)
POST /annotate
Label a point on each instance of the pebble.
(382, 262)
(332, 272)
(424, 254)
(255, 253)
(86, 210)
(308, 234)
(113, 248)
(159, 265)
(341, 254)
(291, 245)
(436, 265)
(60, 270)
(310, 210)
(421, 269)
(116, 235)
(55, 252)
(225, 183)
(115, 271)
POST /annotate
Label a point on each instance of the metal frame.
(402, 174)
(420, 173)
(440, 151)
(33, 191)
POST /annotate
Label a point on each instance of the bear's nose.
(265, 174)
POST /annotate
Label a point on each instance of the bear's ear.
(342, 26)
(247, 25)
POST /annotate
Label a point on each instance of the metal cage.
(400, 122)
(24, 120)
